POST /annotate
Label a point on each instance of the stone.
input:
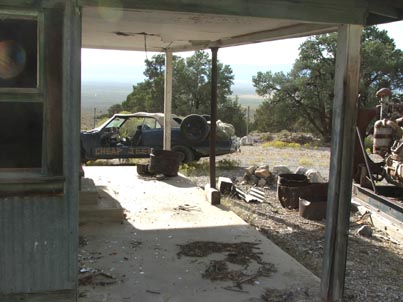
(270, 179)
(253, 180)
(301, 170)
(365, 231)
(261, 183)
(246, 141)
(281, 170)
(262, 172)
(314, 176)
(213, 195)
(250, 170)
(239, 179)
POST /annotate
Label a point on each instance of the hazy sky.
(128, 66)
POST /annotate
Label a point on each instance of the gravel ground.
(374, 265)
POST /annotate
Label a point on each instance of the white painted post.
(168, 100)
(341, 162)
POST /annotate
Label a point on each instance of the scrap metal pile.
(386, 160)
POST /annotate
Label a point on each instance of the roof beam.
(319, 11)
(288, 32)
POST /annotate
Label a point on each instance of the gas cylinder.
(383, 135)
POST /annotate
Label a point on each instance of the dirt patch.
(374, 271)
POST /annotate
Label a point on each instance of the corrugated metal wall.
(34, 253)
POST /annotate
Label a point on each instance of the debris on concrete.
(82, 241)
(97, 279)
(238, 254)
(365, 231)
(187, 208)
(289, 295)
(205, 248)
(135, 244)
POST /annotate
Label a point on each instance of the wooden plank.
(30, 96)
(340, 183)
(57, 296)
(326, 11)
(168, 100)
(71, 126)
(52, 77)
(32, 3)
(213, 113)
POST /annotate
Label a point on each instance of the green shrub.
(267, 137)
(305, 162)
(228, 164)
(281, 144)
(194, 168)
(368, 143)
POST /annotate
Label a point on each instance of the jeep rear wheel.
(194, 128)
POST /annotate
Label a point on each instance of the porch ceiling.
(181, 25)
(110, 28)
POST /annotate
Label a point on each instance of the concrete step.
(88, 192)
(107, 208)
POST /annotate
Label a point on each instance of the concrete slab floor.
(141, 255)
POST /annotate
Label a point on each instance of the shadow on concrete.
(123, 263)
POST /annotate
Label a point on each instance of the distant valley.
(100, 95)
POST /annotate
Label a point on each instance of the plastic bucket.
(165, 162)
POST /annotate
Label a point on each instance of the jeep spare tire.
(194, 128)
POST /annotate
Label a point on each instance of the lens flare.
(12, 59)
(109, 14)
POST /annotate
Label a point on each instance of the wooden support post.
(213, 120)
(168, 100)
(341, 162)
(71, 125)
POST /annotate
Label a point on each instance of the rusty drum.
(289, 189)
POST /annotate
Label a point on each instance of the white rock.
(301, 170)
(314, 176)
(246, 140)
(281, 170)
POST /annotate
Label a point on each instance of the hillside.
(101, 95)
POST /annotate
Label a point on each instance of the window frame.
(34, 178)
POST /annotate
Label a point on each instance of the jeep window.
(128, 129)
(151, 123)
(115, 123)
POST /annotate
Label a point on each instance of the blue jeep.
(133, 136)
